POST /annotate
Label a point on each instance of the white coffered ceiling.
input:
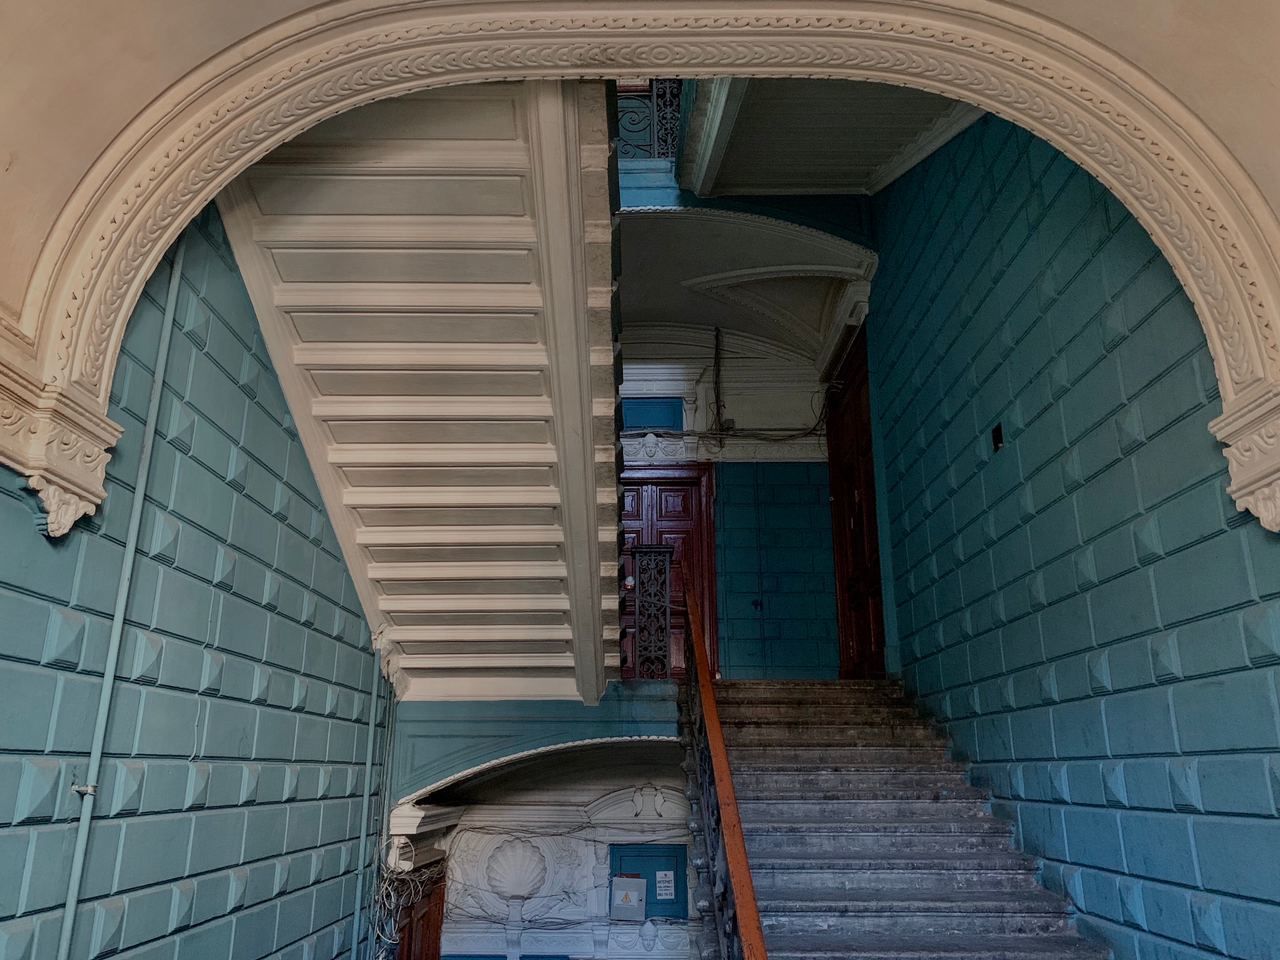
(432, 276)
(771, 137)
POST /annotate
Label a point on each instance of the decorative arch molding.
(1182, 184)
(842, 311)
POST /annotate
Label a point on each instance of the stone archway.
(1115, 121)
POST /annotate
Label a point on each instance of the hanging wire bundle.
(394, 892)
(721, 431)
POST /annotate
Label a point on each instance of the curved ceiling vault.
(800, 289)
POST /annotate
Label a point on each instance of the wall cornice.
(1122, 126)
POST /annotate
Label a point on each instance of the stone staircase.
(866, 840)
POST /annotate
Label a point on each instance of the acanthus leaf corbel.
(1250, 428)
(59, 443)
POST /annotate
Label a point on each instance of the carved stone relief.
(533, 877)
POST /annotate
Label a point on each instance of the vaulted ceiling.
(801, 291)
(432, 275)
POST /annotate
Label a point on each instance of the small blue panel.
(653, 413)
(645, 860)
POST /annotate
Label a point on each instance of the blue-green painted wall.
(1085, 608)
(652, 183)
(433, 741)
(229, 809)
(775, 579)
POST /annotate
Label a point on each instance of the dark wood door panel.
(421, 924)
(859, 601)
(673, 508)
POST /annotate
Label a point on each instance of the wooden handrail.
(750, 932)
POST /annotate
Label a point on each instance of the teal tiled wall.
(775, 579)
(229, 810)
(437, 740)
(1085, 608)
(652, 183)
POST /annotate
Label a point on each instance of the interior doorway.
(421, 925)
(859, 599)
(670, 506)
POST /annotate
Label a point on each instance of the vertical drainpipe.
(89, 790)
(375, 693)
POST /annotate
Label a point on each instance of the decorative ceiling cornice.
(1132, 134)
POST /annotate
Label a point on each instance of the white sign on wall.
(664, 887)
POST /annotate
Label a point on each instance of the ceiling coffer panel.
(433, 279)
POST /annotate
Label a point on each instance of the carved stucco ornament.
(59, 444)
(516, 869)
(1198, 203)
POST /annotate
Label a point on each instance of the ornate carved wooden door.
(859, 601)
(669, 506)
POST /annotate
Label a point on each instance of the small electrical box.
(626, 898)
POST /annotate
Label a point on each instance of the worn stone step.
(836, 791)
(924, 754)
(986, 861)
(921, 827)
(802, 685)
(825, 881)
(988, 915)
(785, 712)
(853, 785)
(746, 734)
(800, 946)
(1036, 901)
(808, 810)
(921, 764)
(772, 839)
(741, 692)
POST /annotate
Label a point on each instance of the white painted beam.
(472, 535)
(431, 408)
(477, 571)
(557, 189)
(420, 356)
(475, 496)
(442, 454)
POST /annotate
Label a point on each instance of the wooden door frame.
(703, 475)
(431, 908)
(854, 371)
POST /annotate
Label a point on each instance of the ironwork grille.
(649, 119)
(653, 612)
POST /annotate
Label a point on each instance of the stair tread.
(921, 825)
(899, 901)
(962, 860)
(783, 946)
